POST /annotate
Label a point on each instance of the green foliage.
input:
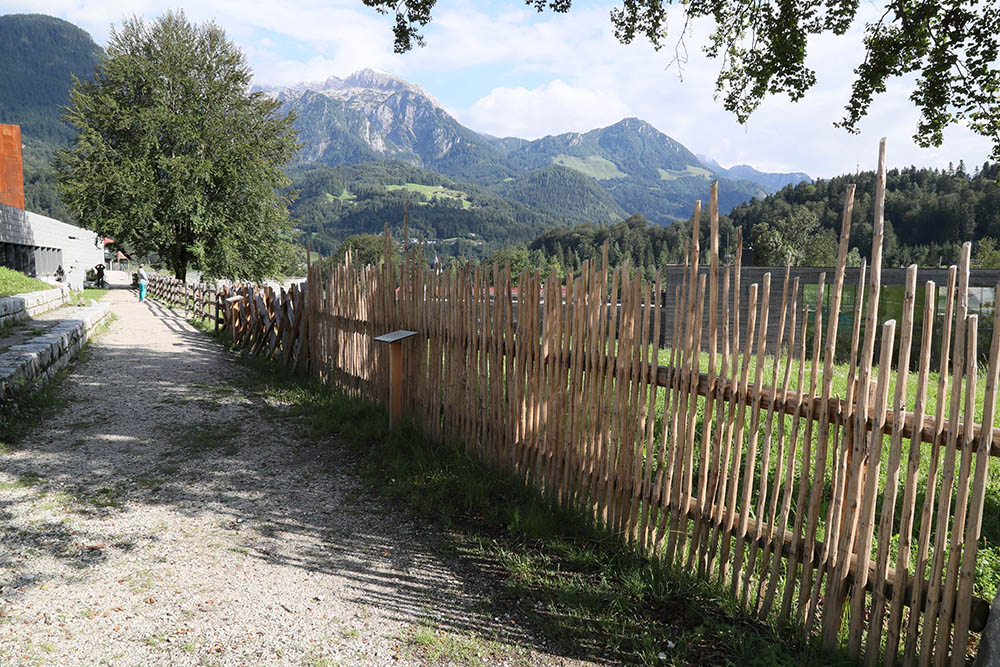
(953, 48)
(794, 236)
(515, 256)
(290, 259)
(987, 255)
(174, 156)
(644, 246)
(14, 282)
(365, 249)
(564, 192)
(40, 56)
(928, 213)
(374, 199)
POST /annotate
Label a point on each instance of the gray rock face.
(372, 115)
(989, 640)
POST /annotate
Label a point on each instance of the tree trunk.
(179, 262)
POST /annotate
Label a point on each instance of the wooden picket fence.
(855, 516)
(200, 300)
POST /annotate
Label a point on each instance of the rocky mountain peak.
(367, 85)
(369, 78)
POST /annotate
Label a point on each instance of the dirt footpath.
(162, 517)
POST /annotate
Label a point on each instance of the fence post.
(395, 340)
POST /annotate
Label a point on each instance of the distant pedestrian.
(143, 280)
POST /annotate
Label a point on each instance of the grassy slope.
(431, 191)
(14, 282)
(591, 165)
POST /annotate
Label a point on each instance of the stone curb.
(28, 366)
(23, 306)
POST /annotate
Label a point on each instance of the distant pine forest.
(929, 213)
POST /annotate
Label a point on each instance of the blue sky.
(504, 69)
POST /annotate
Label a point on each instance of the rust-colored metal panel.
(11, 167)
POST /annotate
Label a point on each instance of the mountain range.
(370, 116)
(374, 144)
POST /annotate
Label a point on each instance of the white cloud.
(552, 108)
(562, 72)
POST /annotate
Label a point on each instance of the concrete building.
(35, 244)
(38, 246)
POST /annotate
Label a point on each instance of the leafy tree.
(952, 47)
(291, 259)
(928, 213)
(365, 249)
(515, 255)
(987, 255)
(175, 156)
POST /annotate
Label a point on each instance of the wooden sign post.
(395, 340)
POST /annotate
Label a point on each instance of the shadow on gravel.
(168, 428)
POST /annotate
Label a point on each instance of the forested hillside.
(563, 192)
(458, 219)
(38, 57)
(929, 213)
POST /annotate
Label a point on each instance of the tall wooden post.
(395, 383)
(395, 340)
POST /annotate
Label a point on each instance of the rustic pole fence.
(743, 452)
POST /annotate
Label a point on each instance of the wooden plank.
(887, 523)
(734, 472)
(787, 483)
(709, 456)
(720, 455)
(927, 635)
(973, 528)
(650, 442)
(866, 514)
(834, 601)
(911, 480)
(765, 461)
(960, 505)
(750, 465)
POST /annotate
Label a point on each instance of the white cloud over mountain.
(507, 70)
(552, 108)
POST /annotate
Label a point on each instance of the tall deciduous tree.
(951, 45)
(175, 155)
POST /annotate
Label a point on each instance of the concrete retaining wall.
(23, 306)
(37, 245)
(24, 368)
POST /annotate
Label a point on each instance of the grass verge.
(81, 298)
(589, 595)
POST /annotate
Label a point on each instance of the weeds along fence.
(846, 499)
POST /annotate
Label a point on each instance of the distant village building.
(35, 244)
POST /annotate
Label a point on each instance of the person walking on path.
(143, 280)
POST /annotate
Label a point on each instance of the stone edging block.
(28, 366)
(23, 306)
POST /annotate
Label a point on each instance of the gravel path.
(162, 517)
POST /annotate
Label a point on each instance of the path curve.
(163, 517)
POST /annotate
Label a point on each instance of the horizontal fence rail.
(846, 498)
